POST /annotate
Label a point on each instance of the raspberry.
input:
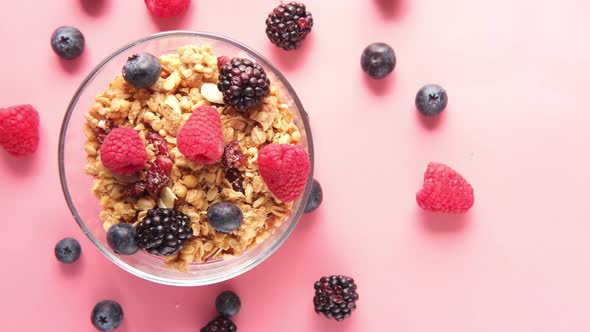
(167, 8)
(233, 156)
(444, 190)
(19, 129)
(285, 169)
(200, 139)
(123, 151)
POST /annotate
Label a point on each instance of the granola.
(192, 188)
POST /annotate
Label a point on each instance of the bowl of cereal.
(186, 158)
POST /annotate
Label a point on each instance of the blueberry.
(315, 198)
(431, 99)
(228, 304)
(121, 238)
(378, 60)
(68, 250)
(224, 217)
(107, 315)
(67, 42)
(141, 70)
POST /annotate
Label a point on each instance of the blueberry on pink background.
(67, 42)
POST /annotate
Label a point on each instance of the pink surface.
(516, 128)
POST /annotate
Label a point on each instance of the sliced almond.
(167, 197)
(212, 93)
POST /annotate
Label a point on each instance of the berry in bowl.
(186, 158)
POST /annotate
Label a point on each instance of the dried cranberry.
(156, 179)
(234, 176)
(104, 127)
(222, 60)
(233, 156)
(158, 142)
(135, 189)
(164, 163)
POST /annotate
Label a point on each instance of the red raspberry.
(285, 169)
(123, 151)
(444, 190)
(167, 8)
(19, 129)
(200, 139)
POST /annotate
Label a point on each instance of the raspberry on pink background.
(200, 139)
(285, 170)
(123, 151)
(167, 8)
(19, 129)
(444, 190)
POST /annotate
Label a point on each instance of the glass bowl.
(77, 185)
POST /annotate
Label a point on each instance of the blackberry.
(164, 231)
(335, 297)
(244, 83)
(220, 324)
(288, 25)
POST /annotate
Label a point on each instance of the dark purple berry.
(107, 315)
(67, 42)
(141, 70)
(68, 250)
(288, 25)
(315, 198)
(224, 217)
(378, 60)
(244, 83)
(164, 231)
(121, 238)
(335, 297)
(220, 324)
(431, 99)
(228, 304)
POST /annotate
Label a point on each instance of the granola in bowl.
(157, 114)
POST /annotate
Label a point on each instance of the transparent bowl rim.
(106, 251)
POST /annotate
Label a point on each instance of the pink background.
(516, 128)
